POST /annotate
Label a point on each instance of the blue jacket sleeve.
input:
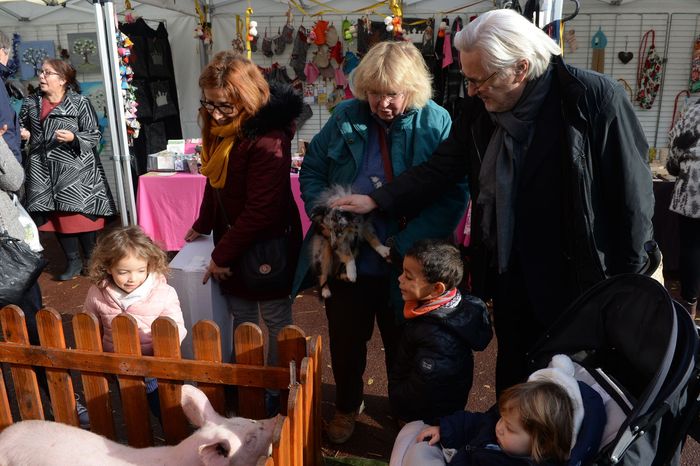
(459, 428)
(314, 171)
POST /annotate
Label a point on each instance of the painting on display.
(82, 47)
(95, 91)
(32, 54)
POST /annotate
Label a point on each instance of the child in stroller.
(638, 349)
(539, 421)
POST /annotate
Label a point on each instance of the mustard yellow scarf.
(215, 152)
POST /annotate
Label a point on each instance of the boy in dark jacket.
(432, 374)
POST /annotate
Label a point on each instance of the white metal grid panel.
(624, 33)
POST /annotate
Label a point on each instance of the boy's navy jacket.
(473, 435)
(434, 365)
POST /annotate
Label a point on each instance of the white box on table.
(199, 302)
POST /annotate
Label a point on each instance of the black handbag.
(20, 268)
(265, 265)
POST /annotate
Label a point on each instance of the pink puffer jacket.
(161, 301)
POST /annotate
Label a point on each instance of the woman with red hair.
(247, 129)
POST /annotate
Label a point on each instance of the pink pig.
(219, 442)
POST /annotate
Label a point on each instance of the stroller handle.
(651, 247)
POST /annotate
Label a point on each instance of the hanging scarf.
(215, 152)
(415, 308)
(498, 178)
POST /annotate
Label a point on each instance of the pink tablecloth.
(167, 206)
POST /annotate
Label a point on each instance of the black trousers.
(689, 232)
(517, 330)
(351, 311)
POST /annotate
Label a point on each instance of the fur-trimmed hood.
(280, 113)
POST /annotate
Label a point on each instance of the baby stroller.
(639, 350)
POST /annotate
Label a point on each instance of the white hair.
(505, 37)
(5, 42)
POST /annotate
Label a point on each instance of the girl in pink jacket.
(128, 274)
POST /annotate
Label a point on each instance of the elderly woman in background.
(247, 131)
(390, 126)
(66, 187)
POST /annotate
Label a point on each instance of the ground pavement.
(376, 430)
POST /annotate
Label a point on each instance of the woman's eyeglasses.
(48, 73)
(390, 97)
(224, 109)
(477, 84)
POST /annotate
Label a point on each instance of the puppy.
(335, 243)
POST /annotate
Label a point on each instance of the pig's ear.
(197, 408)
(219, 451)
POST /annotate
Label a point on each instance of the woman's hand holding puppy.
(355, 203)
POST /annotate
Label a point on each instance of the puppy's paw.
(325, 292)
(351, 272)
(383, 251)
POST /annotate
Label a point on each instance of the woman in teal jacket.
(391, 118)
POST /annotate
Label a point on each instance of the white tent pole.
(120, 121)
(109, 98)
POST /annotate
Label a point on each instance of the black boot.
(87, 242)
(73, 267)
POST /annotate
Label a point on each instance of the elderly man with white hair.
(557, 167)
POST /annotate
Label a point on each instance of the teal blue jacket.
(335, 155)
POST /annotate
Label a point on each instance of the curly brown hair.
(115, 244)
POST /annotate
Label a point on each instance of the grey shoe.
(83, 416)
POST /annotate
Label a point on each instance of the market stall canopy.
(30, 10)
(38, 2)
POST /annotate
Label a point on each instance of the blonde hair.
(113, 245)
(393, 67)
(505, 37)
(546, 413)
(241, 80)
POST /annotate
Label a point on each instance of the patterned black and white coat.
(65, 177)
(684, 163)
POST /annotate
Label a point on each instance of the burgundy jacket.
(257, 196)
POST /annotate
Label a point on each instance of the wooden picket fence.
(296, 442)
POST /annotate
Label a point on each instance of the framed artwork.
(32, 54)
(95, 91)
(84, 56)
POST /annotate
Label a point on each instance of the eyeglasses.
(390, 97)
(48, 73)
(225, 109)
(476, 83)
